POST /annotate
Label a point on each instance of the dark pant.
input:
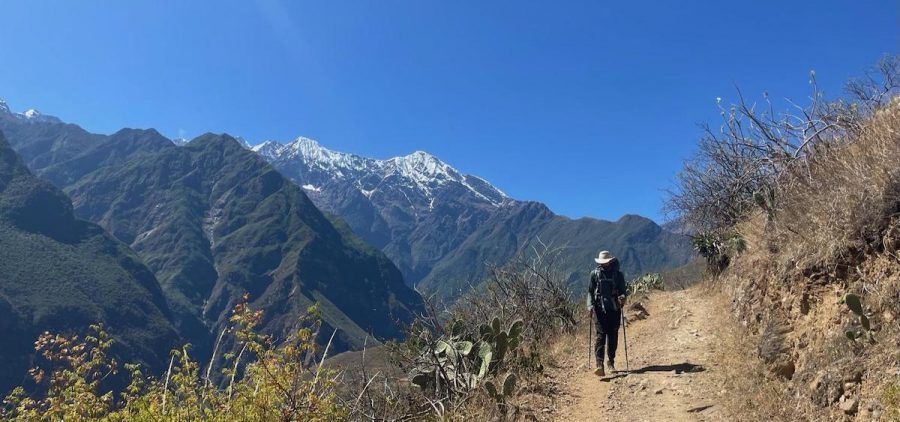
(607, 324)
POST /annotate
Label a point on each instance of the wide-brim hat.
(604, 257)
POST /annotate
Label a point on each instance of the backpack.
(605, 292)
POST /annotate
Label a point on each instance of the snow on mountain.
(416, 208)
(31, 115)
(243, 142)
(419, 172)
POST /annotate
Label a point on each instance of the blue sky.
(588, 106)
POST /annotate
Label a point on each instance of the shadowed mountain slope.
(641, 245)
(61, 274)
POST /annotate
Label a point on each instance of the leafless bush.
(757, 155)
(533, 287)
(739, 164)
(493, 334)
(379, 391)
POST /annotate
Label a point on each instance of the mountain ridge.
(421, 168)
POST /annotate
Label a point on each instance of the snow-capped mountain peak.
(267, 148)
(315, 156)
(310, 148)
(424, 164)
(418, 174)
(31, 115)
(424, 170)
(307, 143)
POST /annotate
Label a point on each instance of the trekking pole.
(625, 337)
(590, 337)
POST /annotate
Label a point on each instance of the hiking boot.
(611, 366)
(599, 371)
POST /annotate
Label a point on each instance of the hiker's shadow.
(609, 378)
(679, 368)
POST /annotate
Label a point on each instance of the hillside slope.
(61, 274)
(839, 236)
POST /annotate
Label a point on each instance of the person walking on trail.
(605, 300)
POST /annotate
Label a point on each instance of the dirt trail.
(672, 377)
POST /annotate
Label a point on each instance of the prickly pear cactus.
(854, 303)
(458, 361)
(505, 390)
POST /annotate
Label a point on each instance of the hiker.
(605, 300)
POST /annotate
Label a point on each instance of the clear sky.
(588, 106)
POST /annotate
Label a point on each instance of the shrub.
(264, 381)
(718, 248)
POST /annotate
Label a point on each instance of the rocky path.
(672, 374)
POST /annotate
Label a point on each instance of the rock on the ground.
(849, 404)
(825, 389)
(637, 312)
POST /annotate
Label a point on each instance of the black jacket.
(606, 286)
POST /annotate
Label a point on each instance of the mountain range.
(212, 221)
(445, 229)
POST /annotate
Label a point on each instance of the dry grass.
(840, 203)
(752, 395)
(684, 276)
